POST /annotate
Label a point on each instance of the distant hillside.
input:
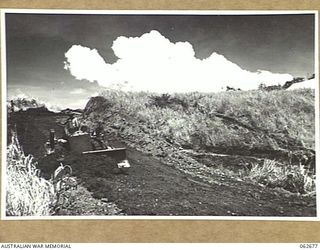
(23, 104)
(29, 105)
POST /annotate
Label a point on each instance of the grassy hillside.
(276, 125)
(251, 120)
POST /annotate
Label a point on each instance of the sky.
(65, 59)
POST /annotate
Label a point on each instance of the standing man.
(72, 124)
(12, 106)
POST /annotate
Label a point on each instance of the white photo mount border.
(158, 12)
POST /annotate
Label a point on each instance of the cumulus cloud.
(306, 84)
(77, 91)
(153, 63)
(21, 94)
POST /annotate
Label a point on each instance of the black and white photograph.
(159, 114)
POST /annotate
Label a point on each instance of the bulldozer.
(81, 141)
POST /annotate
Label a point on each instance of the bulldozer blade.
(116, 153)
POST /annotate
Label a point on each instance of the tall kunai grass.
(27, 194)
(198, 118)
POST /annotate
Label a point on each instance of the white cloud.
(22, 95)
(305, 84)
(85, 63)
(154, 63)
(78, 91)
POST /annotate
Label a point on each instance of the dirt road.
(154, 188)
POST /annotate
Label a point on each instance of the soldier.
(12, 106)
(72, 124)
(98, 136)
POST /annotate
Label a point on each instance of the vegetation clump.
(289, 177)
(27, 193)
